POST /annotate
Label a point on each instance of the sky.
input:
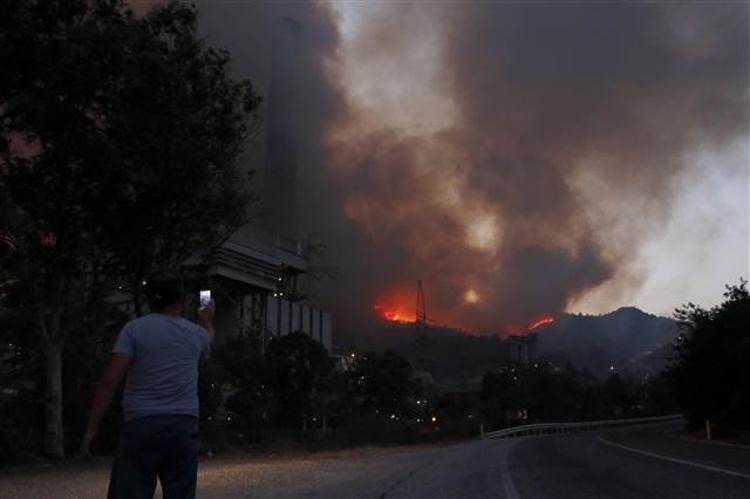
(522, 159)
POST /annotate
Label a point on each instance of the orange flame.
(394, 314)
(541, 322)
(396, 306)
(515, 329)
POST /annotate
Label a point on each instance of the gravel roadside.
(237, 472)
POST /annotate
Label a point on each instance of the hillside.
(629, 339)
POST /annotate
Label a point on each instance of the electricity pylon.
(421, 316)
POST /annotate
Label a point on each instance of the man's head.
(164, 289)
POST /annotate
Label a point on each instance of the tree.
(176, 149)
(57, 68)
(551, 393)
(385, 382)
(118, 137)
(709, 374)
(20, 378)
(614, 395)
(301, 366)
(251, 379)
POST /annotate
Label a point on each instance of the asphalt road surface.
(639, 462)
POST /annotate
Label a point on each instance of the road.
(626, 463)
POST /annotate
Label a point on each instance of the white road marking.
(674, 459)
(707, 442)
(508, 487)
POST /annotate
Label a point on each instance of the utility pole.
(421, 315)
(420, 325)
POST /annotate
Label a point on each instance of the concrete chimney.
(279, 198)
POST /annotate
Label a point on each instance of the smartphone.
(205, 298)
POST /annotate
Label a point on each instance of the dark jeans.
(164, 446)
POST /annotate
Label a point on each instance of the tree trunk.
(53, 397)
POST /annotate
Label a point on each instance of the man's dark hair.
(164, 288)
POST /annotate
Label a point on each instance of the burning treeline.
(399, 306)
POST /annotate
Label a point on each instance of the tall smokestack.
(280, 172)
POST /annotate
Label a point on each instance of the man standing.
(160, 354)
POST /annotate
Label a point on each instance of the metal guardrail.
(539, 429)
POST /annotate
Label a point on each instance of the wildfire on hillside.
(399, 305)
(538, 324)
(394, 313)
(396, 305)
(541, 323)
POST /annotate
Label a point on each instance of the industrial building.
(259, 275)
(255, 279)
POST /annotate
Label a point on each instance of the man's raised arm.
(206, 319)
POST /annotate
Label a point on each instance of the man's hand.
(87, 440)
(206, 319)
(105, 389)
(206, 314)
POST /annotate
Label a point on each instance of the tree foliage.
(296, 385)
(709, 374)
(176, 149)
(385, 382)
(552, 393)
(300, 366)
(246, 373)
(118, 140)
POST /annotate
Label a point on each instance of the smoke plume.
(570, 123)
(511, 155)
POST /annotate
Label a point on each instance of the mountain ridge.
(631, 341)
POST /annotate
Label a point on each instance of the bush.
(710, 373)
(241, 372)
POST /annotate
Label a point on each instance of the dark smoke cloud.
(246, 30)
(553, 101)
(571, 123)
